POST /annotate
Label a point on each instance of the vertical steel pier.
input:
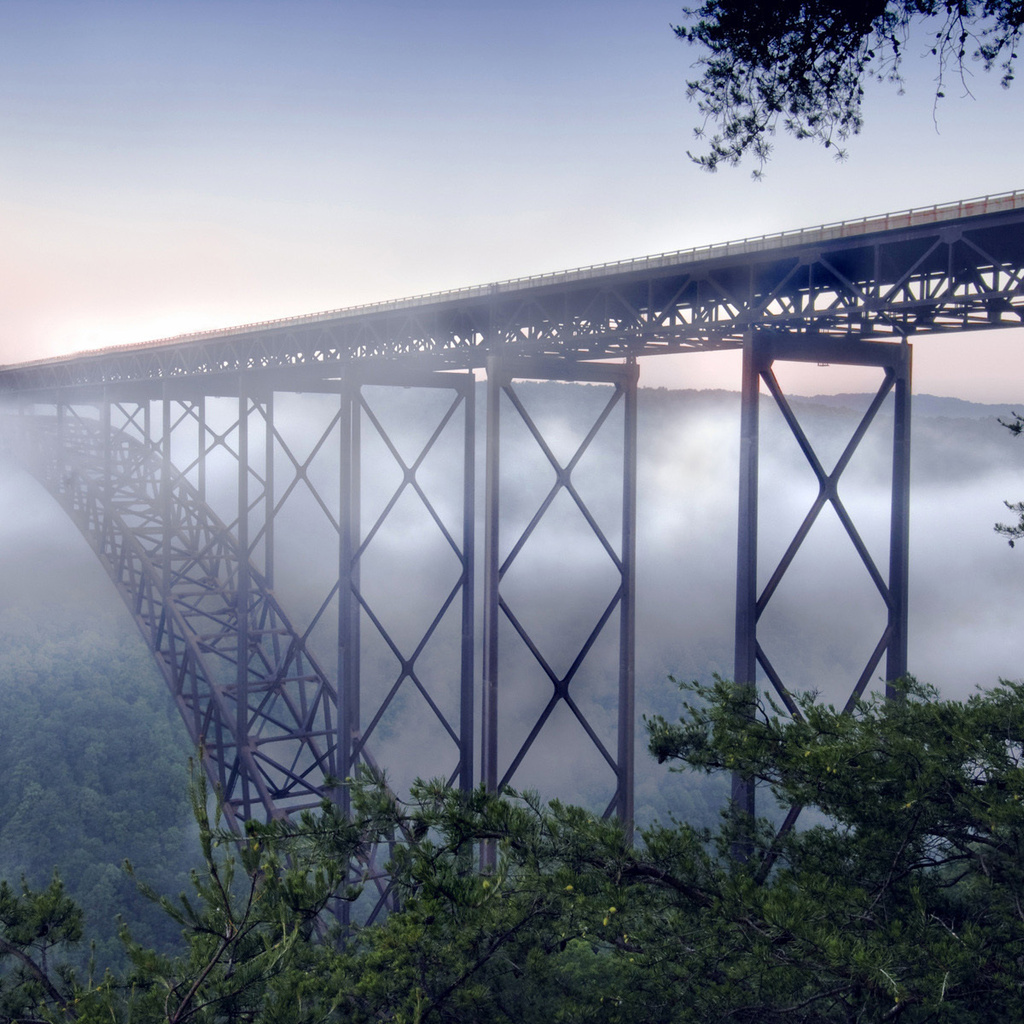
(760, 351)
(502, 374)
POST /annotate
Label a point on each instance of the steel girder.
(202, 585)
(254, 699)
(176, 567)
(254, 688)
(934, 270)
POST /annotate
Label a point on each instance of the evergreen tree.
(900, 898)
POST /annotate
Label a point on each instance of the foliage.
(904, 900)
(92, 758)
(1013, 531)
(36, 928)
(243, 929)
(901, 899)
(538, 937)
(803, 63)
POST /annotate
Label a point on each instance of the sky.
(179, 165)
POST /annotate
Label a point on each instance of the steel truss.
(499, 767)
(176, 566)
(273, 724)
(135, 442)
(275, 718)
(933, 270)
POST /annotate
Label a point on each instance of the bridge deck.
(955, 266)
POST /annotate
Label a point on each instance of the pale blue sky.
(173, 166)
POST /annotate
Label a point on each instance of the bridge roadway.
(125, 437)
(944, 268)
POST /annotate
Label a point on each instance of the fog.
(818, 629)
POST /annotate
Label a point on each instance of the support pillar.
(468, 607)
(745, 655)
(627, 609)
(163, 635)
(759, 353)
(899, 531)
(201, 402)
(268, 492)
(242, 587)
(346, 711)
(108, 467)
(491, 611)
(618, 754)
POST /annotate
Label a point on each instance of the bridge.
(199, 466)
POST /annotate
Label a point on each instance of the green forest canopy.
(902, 900)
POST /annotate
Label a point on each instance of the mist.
(818, 629)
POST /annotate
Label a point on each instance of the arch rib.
(179, 579)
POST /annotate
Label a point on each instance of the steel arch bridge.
(136, 443)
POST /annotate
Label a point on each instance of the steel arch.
(273, 726)
(176, 567)
(855, 291)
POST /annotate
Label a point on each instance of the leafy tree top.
(900, 900)
(803, 63)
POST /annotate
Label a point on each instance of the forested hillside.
(93, 756)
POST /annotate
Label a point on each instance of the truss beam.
(134, 443)
(502, 761)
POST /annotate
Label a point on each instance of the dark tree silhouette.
(803, 63)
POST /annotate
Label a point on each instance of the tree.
(804, 63)
(904, 898)
(901, 899)
(247, 933)
(1013, 531)
(36, 928)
